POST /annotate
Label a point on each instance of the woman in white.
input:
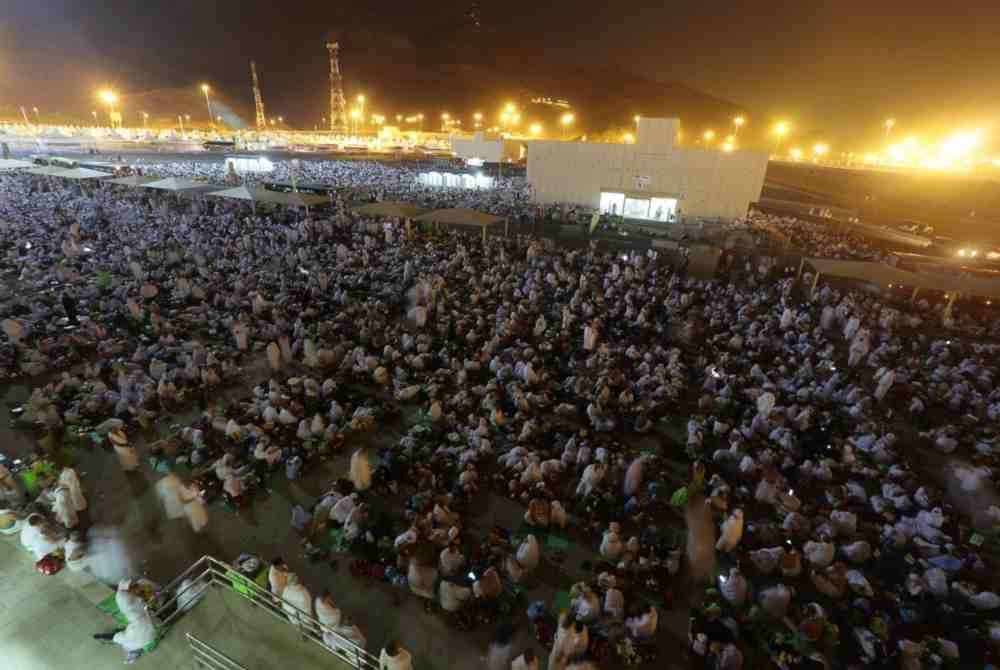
(421, 576)
(328, 615)
(361, 470)
(394, 657)
(62, 507)
(71, 481)
(169, 490)
(298, 601)
(127, 456)
(39, 537)
(194, 507)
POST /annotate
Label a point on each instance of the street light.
(567, 121)
(478, 118)
(629, 138)
(781, 128)
(145, 118)
(738, 122)
(208, 103)
(820, 149)
(109, 98)
(708, 136)
(796, 153)
(35, 110)
(636, 118)
(888, 125)
(536, 129)
(355, 115)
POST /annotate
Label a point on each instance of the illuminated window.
(662, 209)
(612, 203)
(637, 208)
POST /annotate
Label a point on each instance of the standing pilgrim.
(128, 458)
(361, 470)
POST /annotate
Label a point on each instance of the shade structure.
(256, 194)
(45, 170)
(13, 164)
(132, 180)
(178, 184)
(80, 173)
(403, 210)
(884, 275)
(459, 216)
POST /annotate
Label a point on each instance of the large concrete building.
(652, 179)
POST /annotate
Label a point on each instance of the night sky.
(833, 68)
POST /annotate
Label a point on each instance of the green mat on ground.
(110, 607)
(562, 600)
(330, 539)
(557, 543)
(34, 478)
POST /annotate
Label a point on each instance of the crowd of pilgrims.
(786, 436)
(813, 238)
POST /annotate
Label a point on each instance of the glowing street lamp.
(94, 113)
(738, 122)
(728, 147)
(708, 136)
(478, 118)
(636, 118)
(109, 98)
(536, 129)
(355, 116)
(820, 149)
(780, 130)
(567, 120)
(35, 110)
(145, 119)
(208, 103)
(629, 138)
(796, 153)
(888, 124)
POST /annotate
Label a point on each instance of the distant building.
(487, 147)
(651, 179)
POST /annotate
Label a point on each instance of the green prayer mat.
(109, 606)
(562, 600)
(556, 543)
(33, 477)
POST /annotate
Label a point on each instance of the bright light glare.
(739, 121)
(108, 97)
(781, 128)
(536, 129)
(820, 149)
(567, 119)
(796, 153)
(708, 135)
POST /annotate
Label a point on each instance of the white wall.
(707, 183)
(490, 150)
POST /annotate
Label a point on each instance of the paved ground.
(46, 622)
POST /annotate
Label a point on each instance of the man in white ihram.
(140, 631)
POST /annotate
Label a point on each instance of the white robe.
(71, 481)
(361, 470)
(40, 540)
(401, 661)
(194, 507)
(168, 490)
(298, 603)
(62, 507)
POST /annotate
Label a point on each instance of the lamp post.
(180, 120)
(208, 103)
(566, 121)
(738, 122)
(781, 129)
(888, 125)
(361, 108)
(109, 98)
(145, 118)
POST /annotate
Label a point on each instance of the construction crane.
(258, 102)
(338, 105)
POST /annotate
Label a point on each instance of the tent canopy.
(133, 180)
(402, 210)
(883, 275)
(80, 173)
(256, 194)
(46, 170)
(13, 164)
(178, 184)
(460, 216)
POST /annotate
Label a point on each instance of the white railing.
(208, 657)
(208, 571)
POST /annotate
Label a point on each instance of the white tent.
(81, 173)
(13, 164)
(177, 184)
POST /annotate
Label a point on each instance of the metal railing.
(208, 571)
(208, 657)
